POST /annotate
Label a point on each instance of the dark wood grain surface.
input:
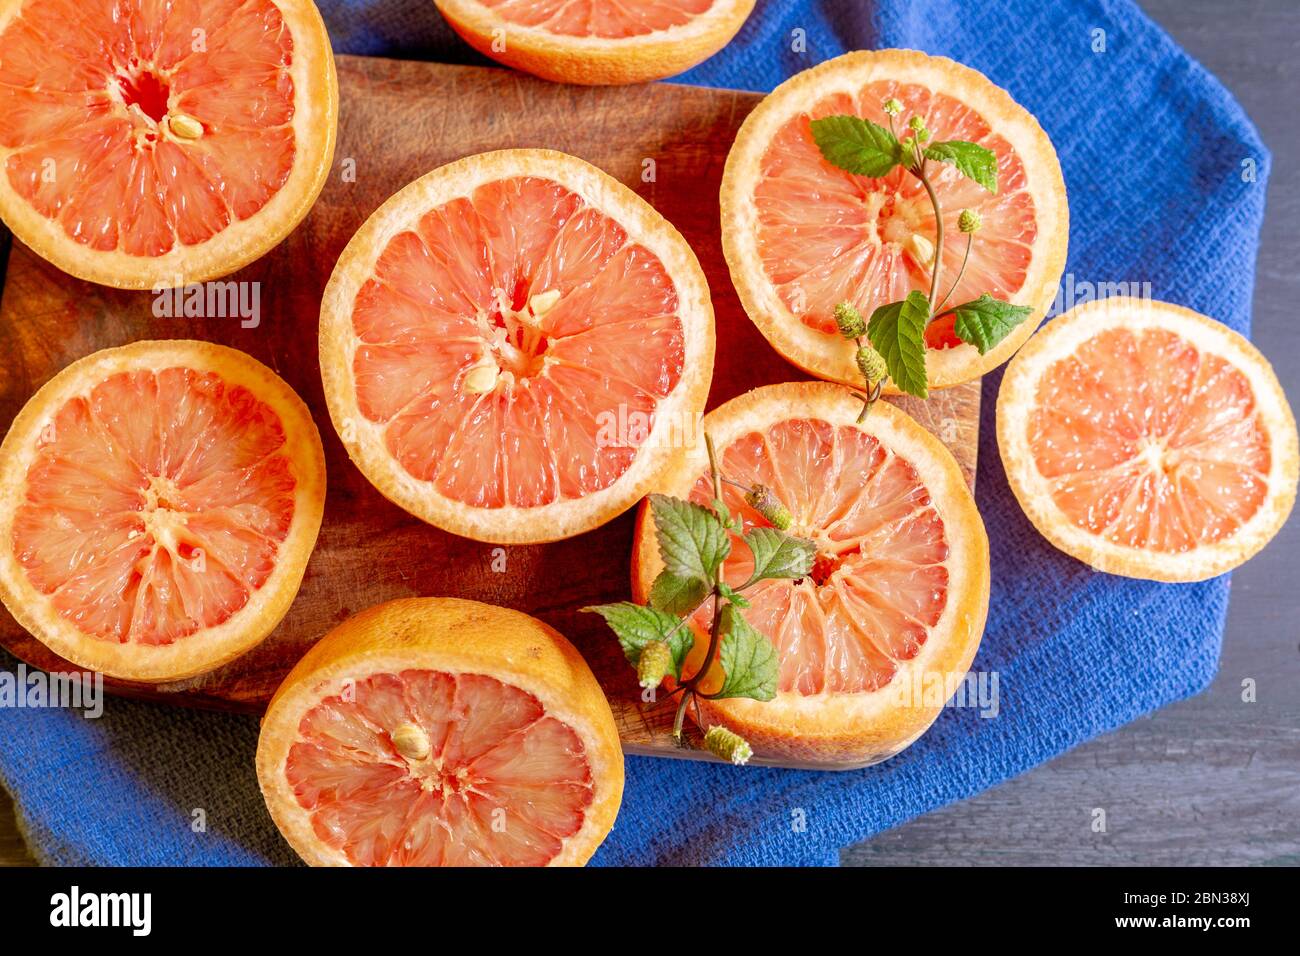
(427, 114)
(1211, 780)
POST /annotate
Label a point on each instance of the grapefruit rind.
(829, 356)
(844, 731)
(457, 637)
(659, 455)
(211, 647)
(1062, 337)
(596, 61)
(315, 126)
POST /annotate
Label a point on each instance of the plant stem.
(714, 639)
(689, 685)
(938, 310)
(938, 233)
(714, 470)
(717, 574)
(872, 397)
(680, 716)
(682, 623)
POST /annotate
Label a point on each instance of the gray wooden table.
(1211, 780)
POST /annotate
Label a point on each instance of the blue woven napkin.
(1153, 149)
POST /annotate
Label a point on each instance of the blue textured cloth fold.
(1153, 151)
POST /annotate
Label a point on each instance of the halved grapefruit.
(1147, 440)
(597, 42)
(516, 347)
(441, 732)
(873, 641)
(160, 502)
(801, 235)
(149, 144)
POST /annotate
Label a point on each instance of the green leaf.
(856, 145)
(972, 161)
(732, 595)
(987, 321)
(779, 555)
(636, 626)
(674, 594)
(692, 541)
(749, 661)
(729, 521)
(897, 331)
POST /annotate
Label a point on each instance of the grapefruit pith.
(1148, 440)
(801, 235)
(160, 502)
(441, 732)
(895, 605)
(148, 145)
(597, 42)
(516, 347)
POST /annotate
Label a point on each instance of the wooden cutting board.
(399, 120)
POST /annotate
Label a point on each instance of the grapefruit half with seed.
(441, 732)
(597, 42)
(148, 144)
(895, 605)
(801, 235)
(1148, 440)
(516, 347)
(160, 502)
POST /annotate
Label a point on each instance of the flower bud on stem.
(762, 500)
(728, 745)
(654, 664)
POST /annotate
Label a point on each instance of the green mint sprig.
(987, 321)
(694, 542)
(894, 345)
(971, 160)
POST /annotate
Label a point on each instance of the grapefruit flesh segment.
(458, 293)
(608, 19)
(825, 235)
(879, 583)
(86, 117)
(502, 783)
(1150, 442)
(155, 505)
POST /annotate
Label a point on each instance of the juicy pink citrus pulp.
(577, 379)
(826, 235)
(1150, 443)
(155, 505)
(501, 783)
(879, 583)
(609, 19)
(88, 91)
